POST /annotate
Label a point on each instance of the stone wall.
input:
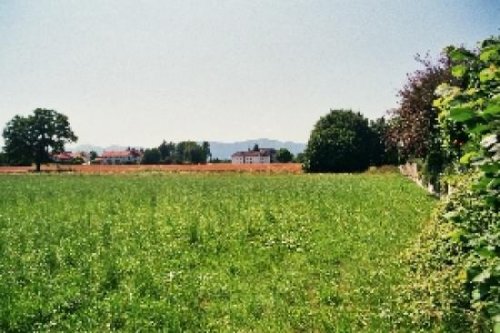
(411, 171)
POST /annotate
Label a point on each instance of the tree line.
(184, 152)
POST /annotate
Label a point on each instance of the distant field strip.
(204, 252)
(172, 168)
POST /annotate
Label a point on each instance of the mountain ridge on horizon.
(220, 150)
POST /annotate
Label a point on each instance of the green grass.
(204, 252)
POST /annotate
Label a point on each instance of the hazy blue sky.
(138, 72)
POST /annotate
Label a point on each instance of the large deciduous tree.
(339, 142)
(31, 139)
(414, 124)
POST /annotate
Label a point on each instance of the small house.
(68, 157)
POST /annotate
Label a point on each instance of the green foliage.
(93, 155)
(433, 167)
(30, 139)
(475, 107)
(179, 253)
(414, 123)
(151, 156)
(190, 152)
(184, 152)
(300, 158)
(471, 249)
(339, 142)
(454, 265)
(382, 152)
(284, 155)
(3, 158)
(167, 152)
(205, 148)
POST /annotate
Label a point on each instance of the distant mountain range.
(221, 150)
(224, 150)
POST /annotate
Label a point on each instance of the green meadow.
(194, 252)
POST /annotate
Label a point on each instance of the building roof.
(252, 153)
(64, 156)
(120, 153)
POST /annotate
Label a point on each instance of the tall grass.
(204, 252)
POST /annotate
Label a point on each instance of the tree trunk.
(38, 166)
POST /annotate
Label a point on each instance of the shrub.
(454, 271)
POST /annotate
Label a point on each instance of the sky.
(137, 72)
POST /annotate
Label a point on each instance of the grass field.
(228, 252)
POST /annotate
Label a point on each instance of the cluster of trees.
(34, 138)
(345, 141)
(184, 152)
(283, 155)
(448, 121)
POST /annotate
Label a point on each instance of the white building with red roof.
(129, 156)
(261, 156)
(70, 157)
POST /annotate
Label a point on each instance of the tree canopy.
(31, 139)
(414, 123)
(184, 152)
(93, 155)
(382, 150)
(167, 152)
(284, 155)
(192, 152)
(151, 156)
(339, 142)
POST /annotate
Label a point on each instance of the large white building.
(261, 156)
(129, 156)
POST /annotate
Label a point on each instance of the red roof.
(253, 153)
(122, 153)
(64, 156)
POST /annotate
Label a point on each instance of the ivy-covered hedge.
(455, 265)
